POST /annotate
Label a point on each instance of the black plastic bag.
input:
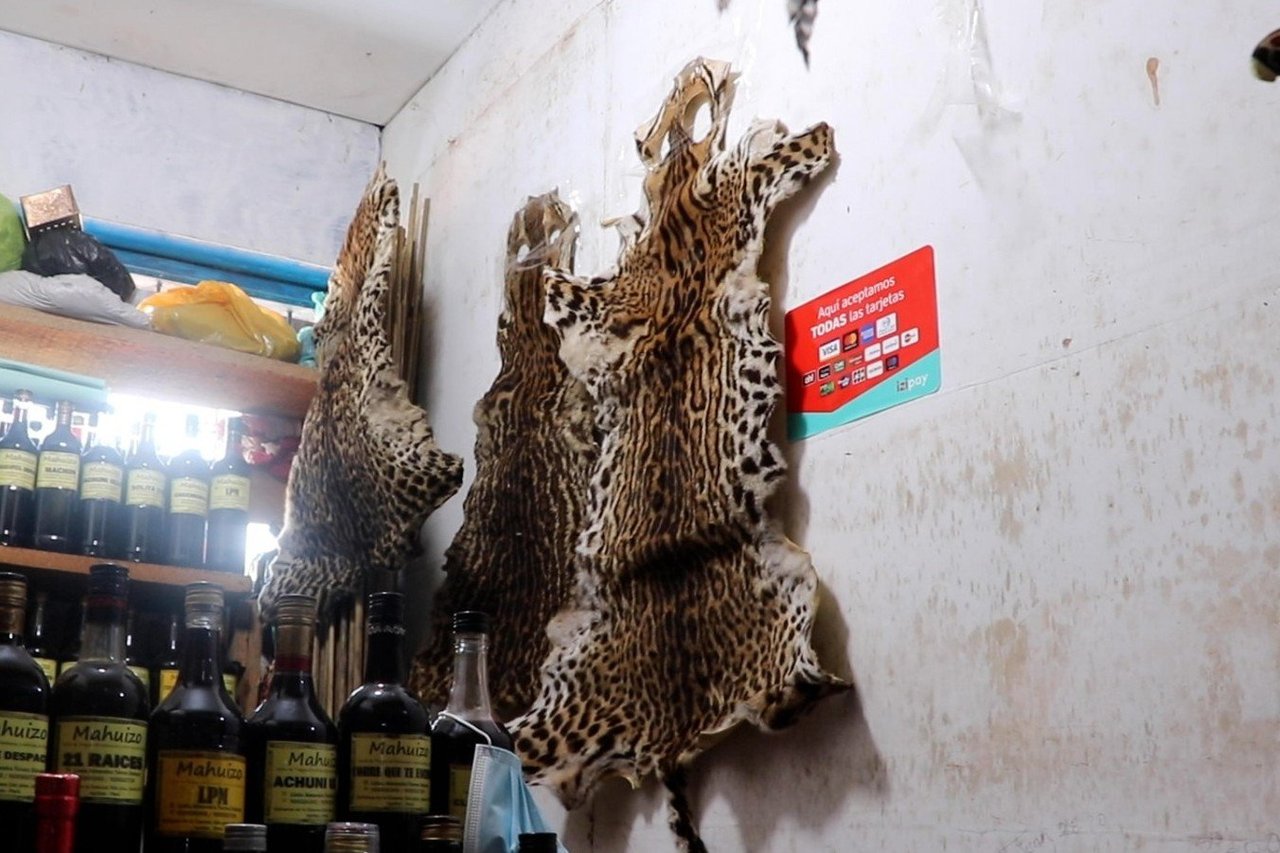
(66, 251)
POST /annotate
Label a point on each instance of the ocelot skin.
(691, 611)
(368, 471)
(535, 449)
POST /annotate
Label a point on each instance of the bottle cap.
(293, 609)
(538, 842)
(13, 590)
(386, 607)
(108, 580)
(244, 838)
(351, 838)
(470, 622)
(57, 795)
(203, 595)
(441, 827)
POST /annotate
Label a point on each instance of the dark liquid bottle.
(146, 490)
(188, 501)
(292, 743)
(228, 505)
(197, 781)
(467, 720)
(39, 641)
(384, 749)
(24, 718)
(100, 722)
(169, 663)
(133, 655)
(71, 645)
(18, 457)
(101, 500)
(58, 485)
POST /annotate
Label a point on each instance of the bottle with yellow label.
(292, 742)
(228, 505)
(100, 722)
(197, 750)
(18, 456)
(39, 638)
(168, 663)
(384, 745)
(188, 501)
(24, 718)
(146, 495)
(468, 718)
(101, 498)
(58, 485)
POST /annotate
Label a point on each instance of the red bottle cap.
(57, 794)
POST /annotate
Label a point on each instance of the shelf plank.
(147, 574)
(137, 361)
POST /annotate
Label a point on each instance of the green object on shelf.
(12, 238)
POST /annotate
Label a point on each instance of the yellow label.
(58, 470)
(229, 682)
(143, 675)
(168, 678)
(300, 783)
(64, 665)
(145, 487)
(24, 744)
(459, 788)
(102, 481)
(17, 468)
(229, 491)
(189, 495)
(49, 666)
(390, 773)
(198, 793)
(109, 754)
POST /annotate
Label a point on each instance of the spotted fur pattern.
(535, 449)
(692, 612)
(368, 471)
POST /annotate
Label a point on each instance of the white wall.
(1057, 582)
(147, 148)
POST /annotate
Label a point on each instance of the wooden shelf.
(61, 568)
(137, 361)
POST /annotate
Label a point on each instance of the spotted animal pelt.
(535, 449)
(368, 471)
(692, 612)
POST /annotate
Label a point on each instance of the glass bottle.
(384, 746)
(39, 642)
(101, 499)
(351, 838)
(538, 842)
(57, 804)
(188, 501)
(18, 456)
(146, 491)
(58, 485)
(100, 722)
(197, 781)
(133, 656)
(441, 833)
(468, 718)
(228, 505)
(24, 716)
(244, 838)
(292, 742)
(169, 662)
(71, 642)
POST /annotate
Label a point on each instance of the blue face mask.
(499, 805)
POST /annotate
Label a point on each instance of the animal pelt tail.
(675, 779)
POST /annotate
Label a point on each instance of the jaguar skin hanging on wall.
(690, 610)
(368, 471)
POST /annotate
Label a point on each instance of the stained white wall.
(147, 148)
(1056, 581)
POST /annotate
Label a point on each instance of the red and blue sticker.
(864, 347)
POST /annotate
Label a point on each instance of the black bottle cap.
(470, 622)
(538, 842)
(108, 580)
(386, 608)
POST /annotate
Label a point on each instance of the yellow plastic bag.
(219, 313)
